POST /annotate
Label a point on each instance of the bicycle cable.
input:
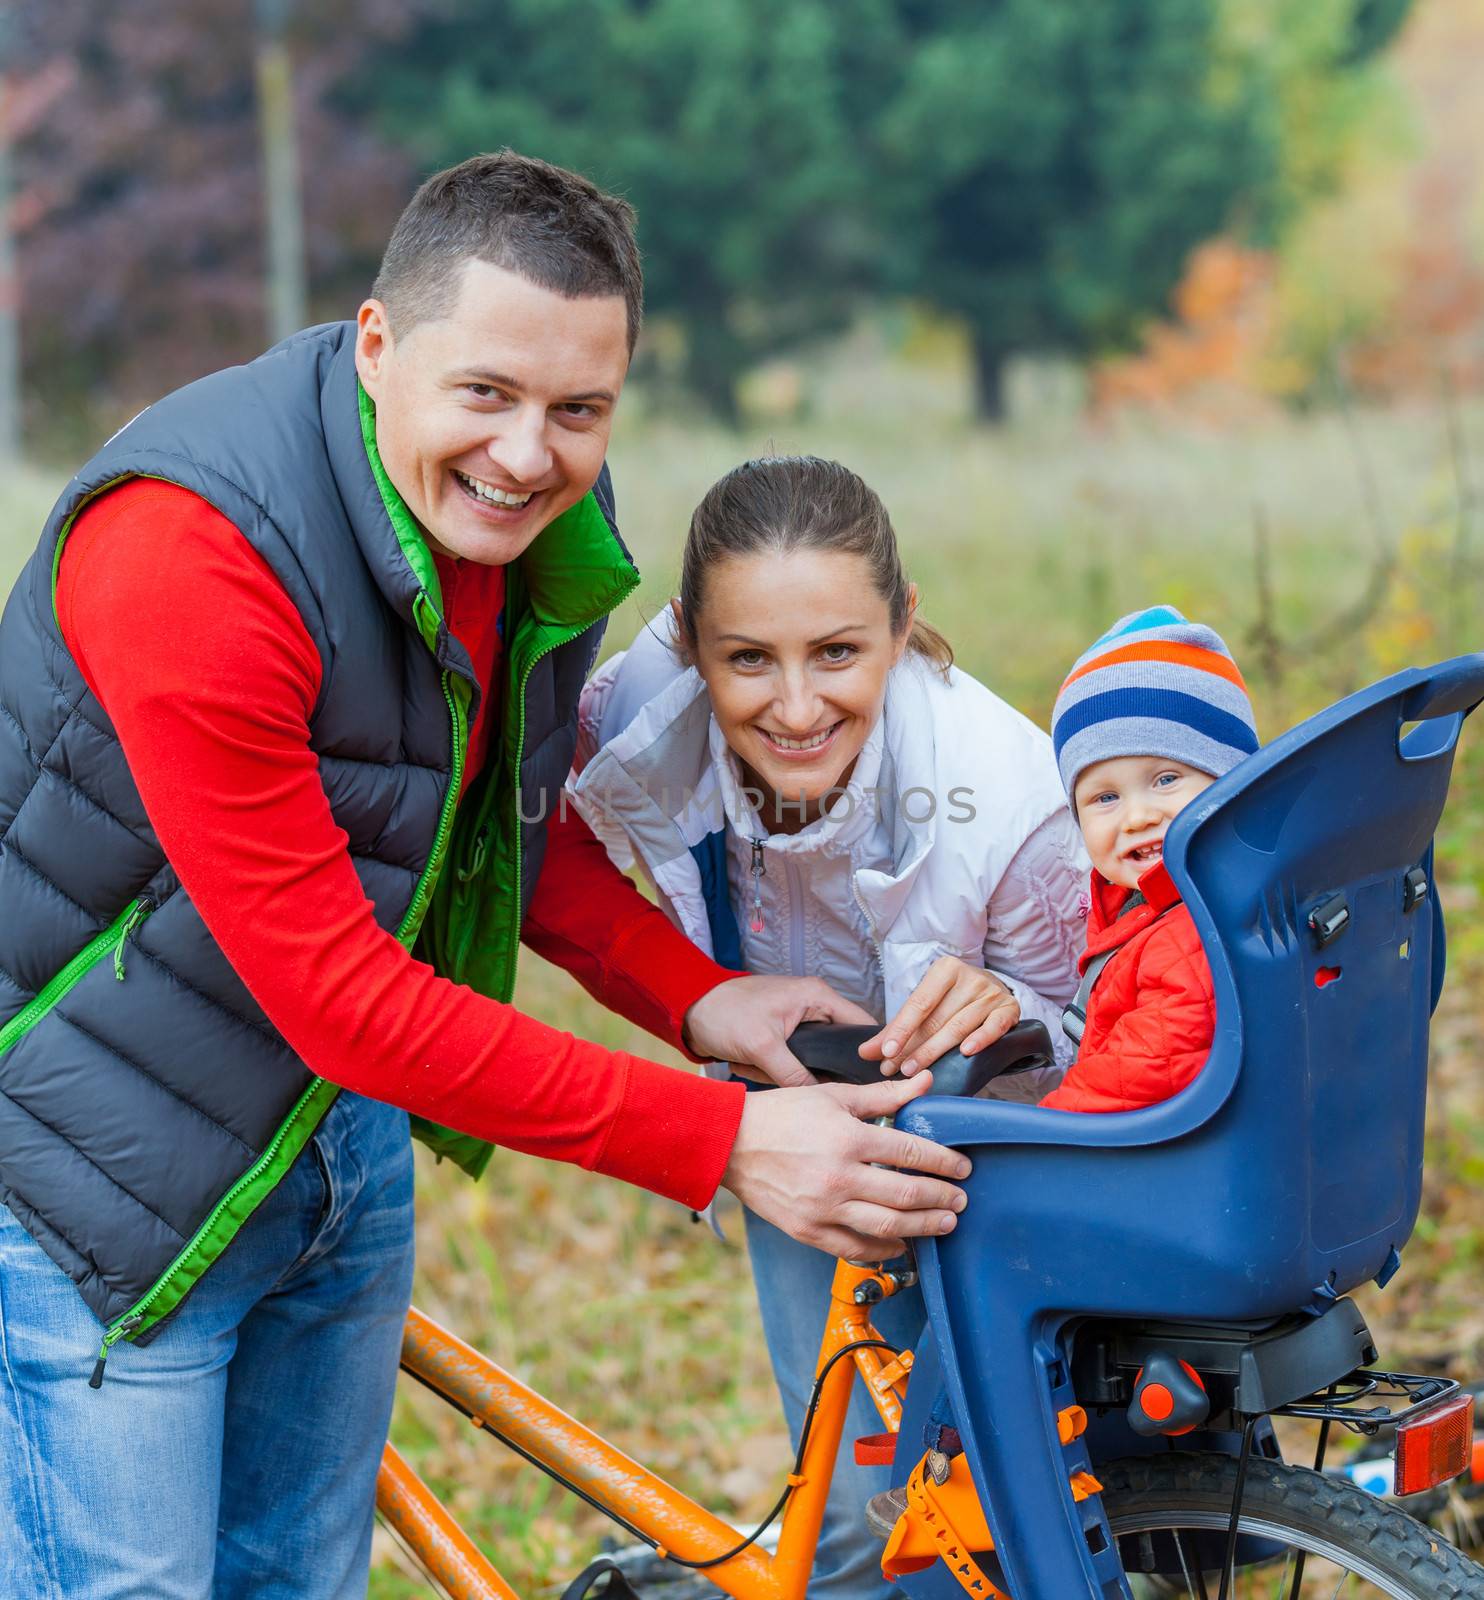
(639, 1533)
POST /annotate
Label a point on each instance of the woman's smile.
(809, 747)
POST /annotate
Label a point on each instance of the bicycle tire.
(1330, 1520)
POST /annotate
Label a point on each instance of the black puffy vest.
(142, 1121)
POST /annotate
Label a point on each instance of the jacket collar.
(1112, 922)
(848, 819)
(674, 738)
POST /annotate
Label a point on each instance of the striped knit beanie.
(1153, 685)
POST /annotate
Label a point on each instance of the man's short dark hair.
(550, 226)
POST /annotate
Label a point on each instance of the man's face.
(493, 420)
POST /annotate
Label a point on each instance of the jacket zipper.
(759, 872)
(423, 893)
(131, 1322)
(112, 938)
(870, 927)
(520, 751)
(795, 918)
(141, 909)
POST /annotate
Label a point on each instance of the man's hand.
(803, 1160)
(955, 1004)
(747, 1021)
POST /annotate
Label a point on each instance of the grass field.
(1329, 549)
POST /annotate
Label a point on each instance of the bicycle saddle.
(829, 1049)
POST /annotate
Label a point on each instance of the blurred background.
(1173, 300)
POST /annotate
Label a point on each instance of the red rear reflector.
(1436, 1445)
(1476, 1471)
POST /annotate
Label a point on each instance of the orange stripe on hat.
(1180, 655)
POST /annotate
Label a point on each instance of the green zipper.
(142, 908)
(135, 1320)
(520, 751)
(112, 938)
(425, 884)
(138, 1317)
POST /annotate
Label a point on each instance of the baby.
(1150, 716)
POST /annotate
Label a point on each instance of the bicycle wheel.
(1170, 1515)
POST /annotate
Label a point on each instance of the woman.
(814, 788)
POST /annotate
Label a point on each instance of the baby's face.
(1124, 807)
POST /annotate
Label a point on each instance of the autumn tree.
(139, 200)
(1049, 169)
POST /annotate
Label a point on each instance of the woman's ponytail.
(926, 641)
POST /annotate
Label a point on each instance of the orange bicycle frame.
(676, 1525)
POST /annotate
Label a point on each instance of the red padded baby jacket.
(1151, 1016)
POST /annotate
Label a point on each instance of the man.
(291, 673)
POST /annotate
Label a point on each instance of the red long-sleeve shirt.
(209, 677)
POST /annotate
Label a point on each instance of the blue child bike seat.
(1285, 1175)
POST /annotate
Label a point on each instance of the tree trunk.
(714, 360)
(990, 356)
(10, 320)
(287, 292)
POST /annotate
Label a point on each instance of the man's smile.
(478, 489)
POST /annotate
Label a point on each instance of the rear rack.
(1342, 1402)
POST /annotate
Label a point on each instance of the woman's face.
(795, 650)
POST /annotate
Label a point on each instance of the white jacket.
(969, 850)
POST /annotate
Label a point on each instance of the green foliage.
(1053, 166)
(1318, 86)
(1341, 208)
(1041, 171)
(728, 126)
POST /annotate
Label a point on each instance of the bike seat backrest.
(830, 1050)
(1308, 870)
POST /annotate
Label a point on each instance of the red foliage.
(1223, 313)
(139, 195)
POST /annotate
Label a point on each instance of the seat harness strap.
(1074, 1017)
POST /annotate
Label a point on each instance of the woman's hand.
(955, 1004)
(747, 1021)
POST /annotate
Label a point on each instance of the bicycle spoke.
(1344, 1583)
(1275, 1593)
(1190, 1588)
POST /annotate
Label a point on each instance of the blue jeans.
(235, 1454)
(793, 1293)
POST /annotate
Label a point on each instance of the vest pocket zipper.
(136, 914)
(111, 939)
